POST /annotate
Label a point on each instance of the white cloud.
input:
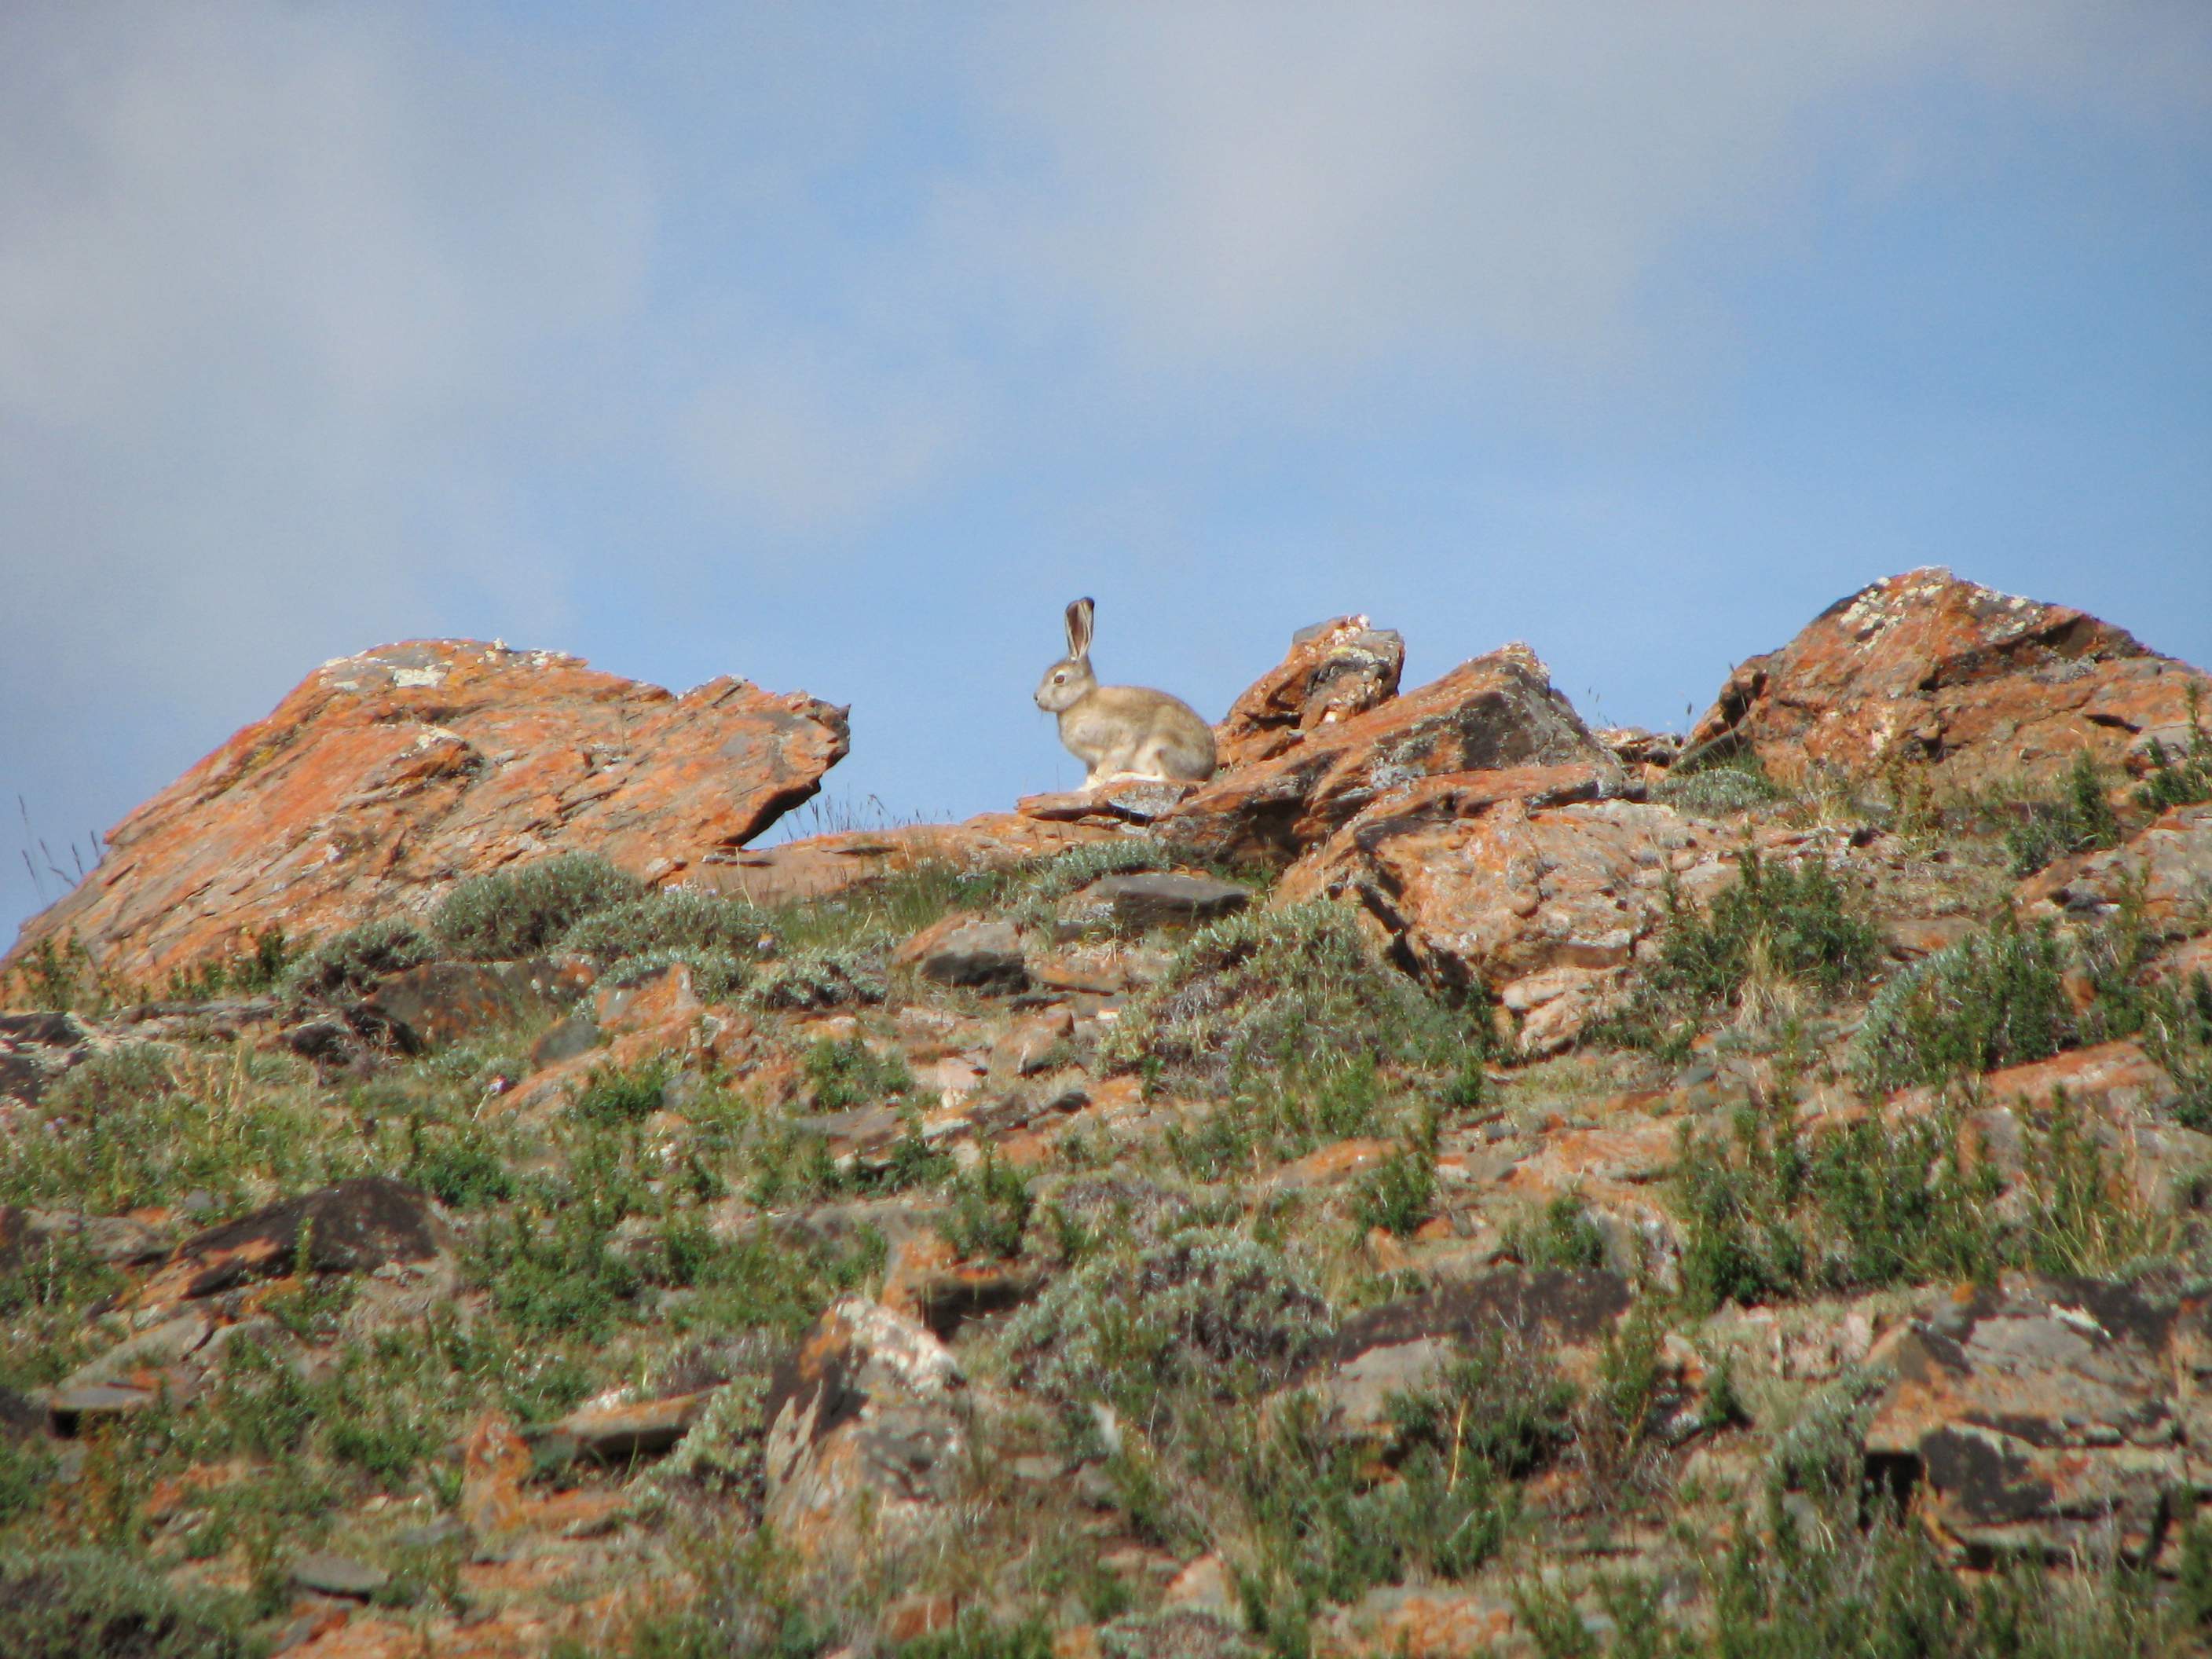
(272, 280)
(1304, 185)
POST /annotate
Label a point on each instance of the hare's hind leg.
(1147, 759)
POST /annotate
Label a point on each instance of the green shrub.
(1210, 1309)
(259, 969)
(90, 1604)
(112, 1082)
(1400, 1193)
(2173, 1020)
(1323, 1530)
(714, 974)
(1779, 1210)
(2086, 1219)
(977, 1635)
(24, 1469)
(872, 917)
(847, 1072)
(613, 1096)
(1272, 1114)
(549, 1260)
(672, 918)
(348, 963)
(1731, 786)
(750, 1603)
(1783, 1589)
(2183, 779)
(1503, 1406)
(61, 975)
(1298, 985)
(527, 909)
(1994, 999)
(818, 979)
(1041, 885)
(2078, 820)
(1313, 1524)
(1560, 1235)
(991, 1208)
(143, 1124)
(458, 1165)
(2178, 1033)
(1794, 922)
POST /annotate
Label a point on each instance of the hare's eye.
(1059, 679)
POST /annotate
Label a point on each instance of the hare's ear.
(1079, 628)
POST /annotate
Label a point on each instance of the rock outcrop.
(2047, 1416)
(866, 1425)
(1495, 713)
(383, 778)
(821, 866)
(1930, 670)
(1130, 1255)
(1522, 882)
(1335, 671)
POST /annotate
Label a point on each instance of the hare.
(1122, 730)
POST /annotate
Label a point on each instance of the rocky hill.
(1457, 1183)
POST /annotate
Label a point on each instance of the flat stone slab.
(1158, 898)
(615, 1434)
(327, 1574)
(68, 1408)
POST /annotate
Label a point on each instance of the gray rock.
(579, 1034)
(327, 1574)
(164, 1345)
(2047, 1415)
(442, 1001)
(867, 1430)
(36, 1048)
(1161, 898)
(964, 950)
(69, 1409)
(617, 1434)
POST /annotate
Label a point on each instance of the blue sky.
(838, 346)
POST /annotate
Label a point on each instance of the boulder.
(1929, 669)
(622, 1431)
(1152, 898)
(35, 1050)
(2047, 1415)
(2171, 858)
(1408, 1345)
(1497, 713)
(962, 949)
(866, 1428)
(327, 1573)
(1114, 801)
(442, 1002)
(351, 1227)
(384, 778)
(1477, 882)
(1335, 671)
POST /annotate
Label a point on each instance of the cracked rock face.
(2047, 1414)
(1497, 713)
(1333, 671)
(867, 1422)
(384, 778)
(1929, 669)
